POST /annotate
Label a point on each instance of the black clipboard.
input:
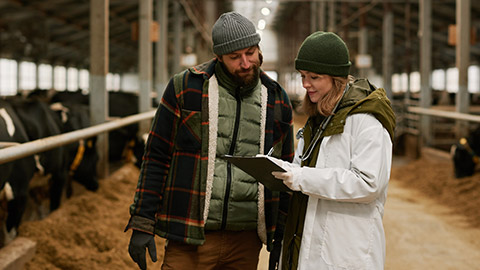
(261, 169)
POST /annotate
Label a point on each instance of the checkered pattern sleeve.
(156, 163)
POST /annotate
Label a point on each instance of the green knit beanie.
(324, 53)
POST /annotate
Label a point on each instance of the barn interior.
(424, 53)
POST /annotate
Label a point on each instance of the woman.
(342, 165)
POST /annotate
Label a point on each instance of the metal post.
(363, 42)
(78, 78)
(98, 76)
(462, 102)
(331, 16)
(388, 49)
(408, 44)
(321, 16)
(37, 75)
(53, 77)
(145, 60)
(18, 75)
(161, 48)
(66, 78)
(425, 34)
(177, 40)
(204, 49)
(313, 16)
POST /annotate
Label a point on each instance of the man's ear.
(219, 57)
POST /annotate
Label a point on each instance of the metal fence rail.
(445, 114)
(41, 145)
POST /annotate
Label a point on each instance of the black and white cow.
(81, 156)
(15, 176)
(41, 122)
(124, 143)
(72, 112)
(465, 154)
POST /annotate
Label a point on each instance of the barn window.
(438, 79)
(404, 82)
(415, 81)
(113, 82)
(452, 80)
(272, 74)
(474, 79)
(60, 75)
(27, 75)
(396, 84)
(83, 79)
(8, 77)
(72, 79)
(130, 82)
(44, 76)
(116, 81)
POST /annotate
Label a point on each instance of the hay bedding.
(434, 177)
(87, 231)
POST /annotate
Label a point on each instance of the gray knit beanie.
(324, 53)
(233, 32)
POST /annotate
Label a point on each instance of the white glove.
(288, 176)
(277, 161)
(288, 179)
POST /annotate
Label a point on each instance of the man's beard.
(249, 78)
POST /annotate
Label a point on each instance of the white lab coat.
(347, 191)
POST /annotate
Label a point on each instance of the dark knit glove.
(274, 260)
(138, 243)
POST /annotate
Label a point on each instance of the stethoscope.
(320, 129)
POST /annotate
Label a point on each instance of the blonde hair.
(327, 103)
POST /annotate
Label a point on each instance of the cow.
(73, 114)
(124, 143)
(465, 154)
(81, 156)
(41, 122)
(15, 176)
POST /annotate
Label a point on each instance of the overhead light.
(265, 11)
(268, 1)
(261, 24)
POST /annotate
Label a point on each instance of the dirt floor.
(431, 221)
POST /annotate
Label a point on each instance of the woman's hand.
(287, 178)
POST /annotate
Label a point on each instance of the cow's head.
(464, 159)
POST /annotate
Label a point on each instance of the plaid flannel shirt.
(170, 194)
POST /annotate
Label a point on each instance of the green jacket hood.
(363, 97)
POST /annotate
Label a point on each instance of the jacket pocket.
(347, 241)
(189, 131)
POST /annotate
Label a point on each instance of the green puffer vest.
(233, 204)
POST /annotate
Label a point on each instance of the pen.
(270, 152)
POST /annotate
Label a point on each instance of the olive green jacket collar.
(363, 97)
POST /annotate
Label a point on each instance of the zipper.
(229, 165)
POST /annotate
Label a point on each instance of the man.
(213, 215)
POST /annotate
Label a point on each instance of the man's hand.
(138, 243)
